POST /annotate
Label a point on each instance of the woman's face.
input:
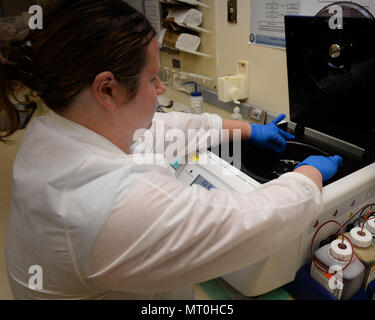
(150, 87)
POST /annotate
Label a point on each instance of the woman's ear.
(107, 91)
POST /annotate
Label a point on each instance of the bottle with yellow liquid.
(370, 226)
(364, 250)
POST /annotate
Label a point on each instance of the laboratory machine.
(331, 81)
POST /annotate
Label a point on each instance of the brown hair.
(79, 40)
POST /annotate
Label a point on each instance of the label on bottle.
(196, 106)
(335, 285)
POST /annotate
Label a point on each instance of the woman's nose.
(160, 87)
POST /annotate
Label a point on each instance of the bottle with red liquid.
(338, 270)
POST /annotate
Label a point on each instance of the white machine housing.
(341, 199)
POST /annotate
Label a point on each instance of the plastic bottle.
(364, 250)
(370, 226)
(196, 99)
(335, 257)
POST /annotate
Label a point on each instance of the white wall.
(268, 85)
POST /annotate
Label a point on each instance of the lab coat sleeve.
(186, 121)
(163, 235)
(176, 134)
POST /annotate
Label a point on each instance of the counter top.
(182, 103)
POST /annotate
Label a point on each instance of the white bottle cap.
(360, 238)
(340, 251)
(370, 225)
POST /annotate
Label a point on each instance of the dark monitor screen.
(331, 77)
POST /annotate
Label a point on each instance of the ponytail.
(15, 69)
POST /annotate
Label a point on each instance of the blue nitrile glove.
(269, 135)
(327, 166)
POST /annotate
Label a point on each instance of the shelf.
(188, 75)
(189, 26)
(174, 78)
(197, 53)
(177, 51)
(191, 2)
(195, 2)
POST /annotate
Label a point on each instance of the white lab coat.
(100, 226)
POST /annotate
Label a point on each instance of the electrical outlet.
(256, 115)
(232, 11)
(242, 67)
(176, 63)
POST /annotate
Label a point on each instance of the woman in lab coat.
(89, 219)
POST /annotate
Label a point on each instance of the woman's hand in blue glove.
(327, 166)
(269, 135)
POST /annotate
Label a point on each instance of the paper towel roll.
(370, 225)
(360, 238)
(188, 42)
(175, 40)
(185, 16)
(339, 252)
